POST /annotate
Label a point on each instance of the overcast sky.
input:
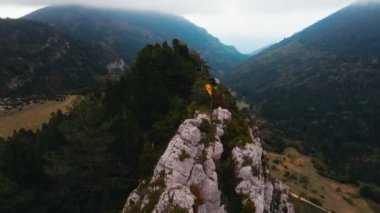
(246, 24)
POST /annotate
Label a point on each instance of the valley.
(31, 117)
(171, 119)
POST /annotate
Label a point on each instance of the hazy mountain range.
(128, 31)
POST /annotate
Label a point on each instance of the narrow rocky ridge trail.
(185, 178)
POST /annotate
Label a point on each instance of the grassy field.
(298, 172)
(31, 117)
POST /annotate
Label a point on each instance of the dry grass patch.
(32, 116)
(298, 172)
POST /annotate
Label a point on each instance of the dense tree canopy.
(36, 59)
(321, 87)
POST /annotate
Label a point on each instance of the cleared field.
(298, 172)
(32, 116)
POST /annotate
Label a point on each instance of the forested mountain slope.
(37, 59)
(321, 86)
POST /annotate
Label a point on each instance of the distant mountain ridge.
(260, 50)
(321, 86)
(128, 31)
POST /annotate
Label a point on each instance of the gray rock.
(221, 114)
(176, 196)
(218, 150)
(189, 132)
(186, 163)
(219, 131)
(186, 174)
(253, 185)
(197, 175)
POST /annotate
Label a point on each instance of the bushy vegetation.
(91, 158)
(236, 134)
(208, 132)
(249, 207)
(227, 182)
(370, 191)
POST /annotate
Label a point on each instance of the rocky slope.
(185, 178)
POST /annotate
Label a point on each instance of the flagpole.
(211, 107)
(208, 89)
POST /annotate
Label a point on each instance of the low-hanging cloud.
(196, 6)
(247, 24)
(170, 6)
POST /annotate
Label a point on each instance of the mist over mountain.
(128, 31)
(322, 86)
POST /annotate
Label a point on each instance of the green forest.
(36, 59)
(319, 91)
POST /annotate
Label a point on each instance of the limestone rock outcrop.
(255, 185)
(117, 67)
(185, 176)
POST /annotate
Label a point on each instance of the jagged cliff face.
(185, 178)
(255, 186)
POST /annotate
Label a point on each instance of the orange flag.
(208, 89)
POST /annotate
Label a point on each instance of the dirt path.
(308, 202)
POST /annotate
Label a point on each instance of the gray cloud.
(197, 6)
(247, 24)
(171, 6)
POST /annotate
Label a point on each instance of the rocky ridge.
(185, 178)
(117, 67)
(255, 185)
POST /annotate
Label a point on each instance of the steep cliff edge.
(255, 186)
(185, 178)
